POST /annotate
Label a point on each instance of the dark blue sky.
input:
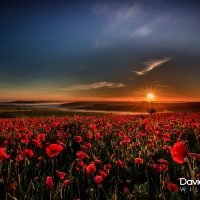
(95, 49)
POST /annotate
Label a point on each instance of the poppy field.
(100, 157)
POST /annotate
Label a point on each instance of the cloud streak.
(116, 13)
(142, 31)
(152, 64)
(96, 85)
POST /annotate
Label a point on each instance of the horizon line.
(97, 100)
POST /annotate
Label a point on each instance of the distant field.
(34, 109)
(135, 106)
(13, 112)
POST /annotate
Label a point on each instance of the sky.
(100, 50)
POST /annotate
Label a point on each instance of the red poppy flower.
(88, 144)
(53, 150)
(3, 154)
(108, 125)
(61, 175)
(39, 158)
(98, 179)
(81, 164)
(97, 160)
(78, 138)
(81, 155)
(90, 168)
(19, 157)
(90, 135)
(166, 137)
(41, 137)
(172, 187)
(121, 133)
(120, 163)
(178, 152)
(125, 141)
(162, 166)
(93, 126)
(82, 147)
(28, 153)
(98, 136)
(107, 166)
(147, 127)
(103, 173)
(195, 125)
(139, 161)
(66, 182)
(49, 182)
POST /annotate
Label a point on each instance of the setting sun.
(150, 96)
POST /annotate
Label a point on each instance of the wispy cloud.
(120, 21)
(130, 20)
(116, 13)
(96, 85)
(152, 64)
(142, 31)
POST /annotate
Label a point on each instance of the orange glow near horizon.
(125, 99)
(135, 96)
